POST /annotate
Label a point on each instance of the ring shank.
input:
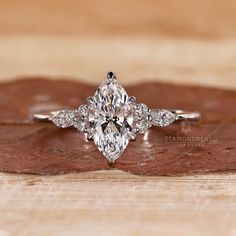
(182, 114)
(179, 115)
(41, 117)
(45, 116)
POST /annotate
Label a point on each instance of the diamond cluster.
(112, 118)
(142, 118)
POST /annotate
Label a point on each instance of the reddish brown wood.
(41, 148)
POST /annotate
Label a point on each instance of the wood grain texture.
(183, 18)
(185, 42)
(134, 59)
(42, 148)
(115, 203)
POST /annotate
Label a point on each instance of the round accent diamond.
(81, 122)
(142, 117)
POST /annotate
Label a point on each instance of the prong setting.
(132, 136)
(111, 118)
(90, 100)
(132, 100)
(111, 76)
(88, 137)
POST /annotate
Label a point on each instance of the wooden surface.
(208, 145)
(184, 41)
(116, 203)
(134, 59)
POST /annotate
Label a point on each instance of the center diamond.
(111, 118)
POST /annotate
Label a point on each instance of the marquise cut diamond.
(162, 117)
(111, 117)
(63, 118)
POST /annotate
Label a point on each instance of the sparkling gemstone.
(162, 117)
(141, 117)
(81, 121)
(111, 117)
(63, 118)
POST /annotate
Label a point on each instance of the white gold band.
(112, 118)
(179, 115)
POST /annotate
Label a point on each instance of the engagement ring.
(111, 118)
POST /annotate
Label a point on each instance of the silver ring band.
(179, 115)
(111, 118)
